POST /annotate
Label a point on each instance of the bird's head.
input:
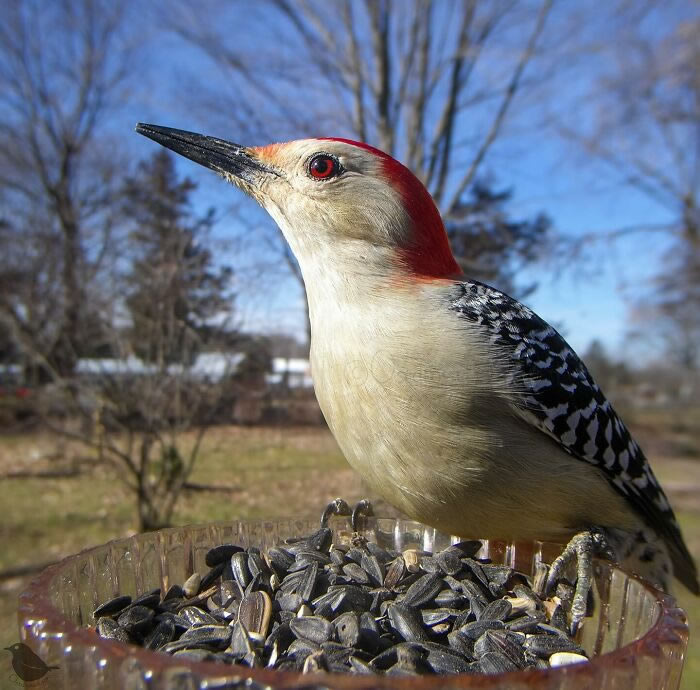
(338, 202)
(16, 647)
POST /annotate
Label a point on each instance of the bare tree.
(146, 408)
(645, 127)
(431, 83)
(109, 291)
(62, 67)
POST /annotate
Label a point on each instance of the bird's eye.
(324, 166)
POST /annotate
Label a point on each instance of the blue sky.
(545, 173)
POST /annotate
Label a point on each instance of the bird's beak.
(217, 154)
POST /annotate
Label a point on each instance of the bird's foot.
(583, 547)
(337, 506)
(340, 507)
(362, 509)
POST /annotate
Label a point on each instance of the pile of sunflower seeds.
(309, 605)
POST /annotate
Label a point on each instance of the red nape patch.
(429, 255)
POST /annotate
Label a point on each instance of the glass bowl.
(637, 635)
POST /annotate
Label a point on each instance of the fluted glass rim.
(40, 619)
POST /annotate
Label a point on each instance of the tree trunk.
(64, 355)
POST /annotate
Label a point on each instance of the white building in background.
(294, 371)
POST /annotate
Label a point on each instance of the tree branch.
(503, 109)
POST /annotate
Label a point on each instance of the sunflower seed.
(255, 612)
(312, 628)
(475, 630)
(461, 644)
(412, 560)
(220, 554)
(280, 560)
(149, 600)
(239, 568)
(211, 576)
(256, 565)
(565, 658)
(495, 662)
(525, 624)
(109, 608)
(465, 617)
(228, 591)
(211, 636)
(137, 619)
(191, 585)
(194, 654)
(443, 659)
(429, 565)
(174, 592)
(329, 603)
(468, 548)
(449, 598)
(282, 635)
(374, 569)
(523, 591)
(506, 643)
(181, 624)
(497, 610)
(423, 590)
(178, 645)
(558, 619)
(385, 660)
(407, 622)
(449, 561)
(321, 540)
(301, 648)
(395, 572)
(359, 666)
(347, 629)
(477, 571)
(356, 599)
(307, 583)
(500, 574)
(544, 646)
(109, 629)
(520, 605)
(539, 581)
(338, 654)
(240, 643)
(337, 557)
(356, 573)
(369, 633)
(315, 662)
(163, 632)
(197, 616)
(433, 617)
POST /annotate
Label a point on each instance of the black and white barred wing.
(560, 397)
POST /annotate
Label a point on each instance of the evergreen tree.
(489, 244)
(175, 290)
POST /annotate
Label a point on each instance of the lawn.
(272, 472)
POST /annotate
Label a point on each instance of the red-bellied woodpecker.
(456, 403)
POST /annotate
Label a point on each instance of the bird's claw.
(340, 507)
(583, 547)
(336, 507)
(361, 510)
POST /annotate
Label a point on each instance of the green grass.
(275, 472)
(45, 519)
